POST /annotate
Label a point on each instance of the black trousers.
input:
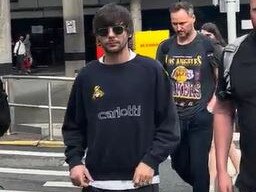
(149, 188)
(190, 160)
(19, 61)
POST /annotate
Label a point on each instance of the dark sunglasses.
(117, 29)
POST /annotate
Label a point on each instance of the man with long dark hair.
(121, 111)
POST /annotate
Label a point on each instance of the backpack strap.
(228, 55)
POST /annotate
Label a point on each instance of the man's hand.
(80, 176)
(224, 182)
(143, 175)
(211, 104)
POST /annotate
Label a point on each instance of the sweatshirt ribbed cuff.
(151, 161)
(74, 162)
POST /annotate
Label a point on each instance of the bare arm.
(223, 131)
(212, 101)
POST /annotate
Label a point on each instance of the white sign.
(215, 2)
(246, 24)
(71, 26)
(37, 29)
(223, 5)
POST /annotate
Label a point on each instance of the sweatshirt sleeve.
(167, 130)
(74, 126)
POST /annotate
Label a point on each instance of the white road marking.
(58, 184)
(31, 153)
(34, 171)
(42, 125)
(15, 191)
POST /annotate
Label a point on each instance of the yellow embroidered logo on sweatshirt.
(97, 92)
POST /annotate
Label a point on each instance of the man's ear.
(194, 18)
(98, 42)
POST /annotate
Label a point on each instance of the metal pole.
(10, 89)
(10, 93)
(9, 131)
(49, 91)
(231, 19)
(135, 7)
(5, 37)
(74, 40)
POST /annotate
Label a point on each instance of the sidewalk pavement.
(30, 139)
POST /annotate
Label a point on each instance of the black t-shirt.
(191, 73)
(243, 90)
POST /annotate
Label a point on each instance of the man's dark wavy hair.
(112, 14)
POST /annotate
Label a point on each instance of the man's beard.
(182, 34)
(115, 51)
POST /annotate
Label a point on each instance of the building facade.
(43, 19)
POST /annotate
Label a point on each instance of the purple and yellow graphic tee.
(192, 75)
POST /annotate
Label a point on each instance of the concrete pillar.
(5, 37)
(135, 8)
(231, 19)
(74, 41)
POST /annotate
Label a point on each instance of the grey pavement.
(36, 165)
(30, 139)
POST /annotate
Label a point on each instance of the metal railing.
(49, 106)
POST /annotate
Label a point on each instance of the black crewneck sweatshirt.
(123, 114)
